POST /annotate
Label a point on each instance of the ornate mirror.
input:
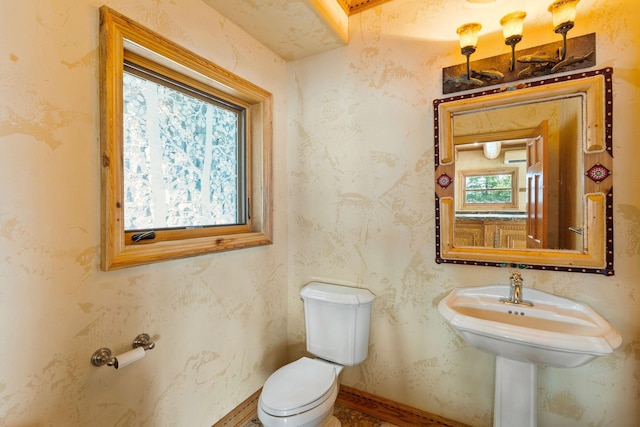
(523, 175)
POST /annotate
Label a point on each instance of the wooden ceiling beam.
(352, 7)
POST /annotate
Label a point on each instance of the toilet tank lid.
(337, 293)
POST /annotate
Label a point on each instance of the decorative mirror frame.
(597, 257)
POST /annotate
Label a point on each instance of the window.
(186, 149)
(183, 156)
(495, 190)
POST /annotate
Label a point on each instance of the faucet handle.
(516, 278)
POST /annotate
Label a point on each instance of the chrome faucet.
(515, 293)
(516, 288)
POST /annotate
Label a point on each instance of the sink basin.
(555, 331)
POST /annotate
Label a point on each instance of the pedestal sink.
(554, 331)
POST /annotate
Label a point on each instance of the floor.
(354, 408)
(348, 417)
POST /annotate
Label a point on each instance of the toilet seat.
(298, 387)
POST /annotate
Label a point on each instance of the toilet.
(302, 393)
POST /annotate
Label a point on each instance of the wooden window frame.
(122, 39)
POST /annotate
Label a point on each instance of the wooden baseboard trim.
(375, 406)
(242, 413)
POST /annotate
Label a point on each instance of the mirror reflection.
(519, 175)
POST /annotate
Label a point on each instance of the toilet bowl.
(300, 394)
(303, 393)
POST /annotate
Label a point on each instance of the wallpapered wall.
(353, 181)
(219, 320)
(361, 208)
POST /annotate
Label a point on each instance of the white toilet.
(302, 393)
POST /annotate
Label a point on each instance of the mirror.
(523, 175)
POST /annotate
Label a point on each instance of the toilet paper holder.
(103, 355)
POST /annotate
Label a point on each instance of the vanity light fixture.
(512, 26)
(468, 41)
(538, 61)
(563, 13)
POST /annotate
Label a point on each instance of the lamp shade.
(563, 11)
(469, 34)
(491, 150)
(512, 24)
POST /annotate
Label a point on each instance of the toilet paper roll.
(129, 357)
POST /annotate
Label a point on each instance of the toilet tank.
(337, 320)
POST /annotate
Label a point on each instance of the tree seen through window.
(181, 158)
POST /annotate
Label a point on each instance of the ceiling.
(294, 29)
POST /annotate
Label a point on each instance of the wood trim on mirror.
(597, 161)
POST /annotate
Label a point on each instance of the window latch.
(147, 235)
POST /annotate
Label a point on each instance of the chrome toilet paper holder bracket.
(103, 355)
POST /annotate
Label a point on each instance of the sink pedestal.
(515, 394)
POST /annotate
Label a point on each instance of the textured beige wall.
(360, 196)
(361, 211)
(219, 320)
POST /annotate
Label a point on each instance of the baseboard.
(375, 406)
(242, 413)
